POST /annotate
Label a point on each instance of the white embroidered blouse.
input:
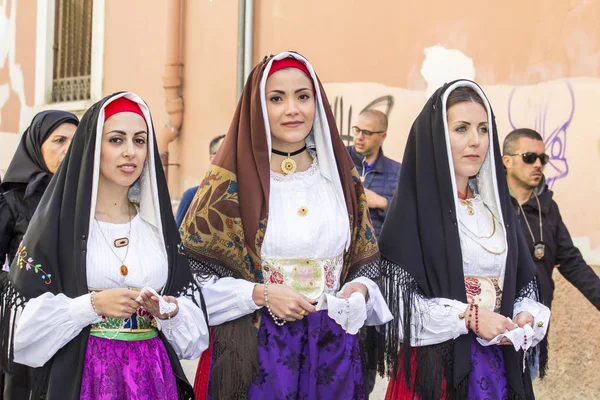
(484, 255)
(303, 248)
(49, 322)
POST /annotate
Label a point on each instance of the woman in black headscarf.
(43, 147)
(102, 240)
(465, 280)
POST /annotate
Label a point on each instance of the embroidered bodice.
(306, 233)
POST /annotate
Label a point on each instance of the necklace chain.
(107, 242)
(527, 222)
(493, 225)
(472, 235)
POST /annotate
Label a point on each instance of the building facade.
(539, 65)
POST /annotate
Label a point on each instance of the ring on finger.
(302, 312)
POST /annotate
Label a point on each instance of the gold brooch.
(469, 205)
(288, 166)
(302, 211)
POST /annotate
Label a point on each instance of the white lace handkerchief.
(516, 337)
(163, 306)
(350, 313)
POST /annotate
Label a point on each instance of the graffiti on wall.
(551, 114)
(343, 117)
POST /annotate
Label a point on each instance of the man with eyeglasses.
(543, 228)
(379, 173)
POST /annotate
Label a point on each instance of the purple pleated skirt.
(313, 358)
(132, 370)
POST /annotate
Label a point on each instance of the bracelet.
(469, 327)
(94, 304)
(278, 321)
(169, 330)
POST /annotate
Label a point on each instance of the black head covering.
(28, 166)
(57, 243)
(420, 244)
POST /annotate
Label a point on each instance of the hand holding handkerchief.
(164, 306)
(349, 313)
(517, 337)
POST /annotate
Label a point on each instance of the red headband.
(288, 62)
(120, 105)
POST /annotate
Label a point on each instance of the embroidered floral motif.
(215, 231)
(364, 242)
(309, 277)
(306, 276)
(473, 289)
(273, 275)
(483, 291)
(29, 264)
(329, 268)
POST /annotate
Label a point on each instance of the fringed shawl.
(52, 256)
(422, 256)
(225, 226)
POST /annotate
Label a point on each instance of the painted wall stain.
(15, 83)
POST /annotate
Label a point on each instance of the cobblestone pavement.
(378, 393)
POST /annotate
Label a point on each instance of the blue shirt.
(367, 167)
(381, 177)
(184, 204)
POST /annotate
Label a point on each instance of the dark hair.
(212, 147)
(463, 94)
(510, 141)
(380, 116)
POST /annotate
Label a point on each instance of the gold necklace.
(288, 165)
(496, 253)
(467, 203)
(469, 233)
(123, 269)
(493, 224)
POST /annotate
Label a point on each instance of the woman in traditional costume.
(85, 280)
(37, 158)
(466, 290)
(280, 235)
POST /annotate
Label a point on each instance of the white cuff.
(81, 311)
(170, 323)
(378, 312)
(244, 296)
(541, 317)
(456, 313)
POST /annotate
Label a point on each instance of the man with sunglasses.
(524, 156)
(379, 173)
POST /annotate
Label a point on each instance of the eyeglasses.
(357, 131)
(531, 157)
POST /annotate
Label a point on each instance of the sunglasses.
(531, 157)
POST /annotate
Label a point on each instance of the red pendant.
(124, 270)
